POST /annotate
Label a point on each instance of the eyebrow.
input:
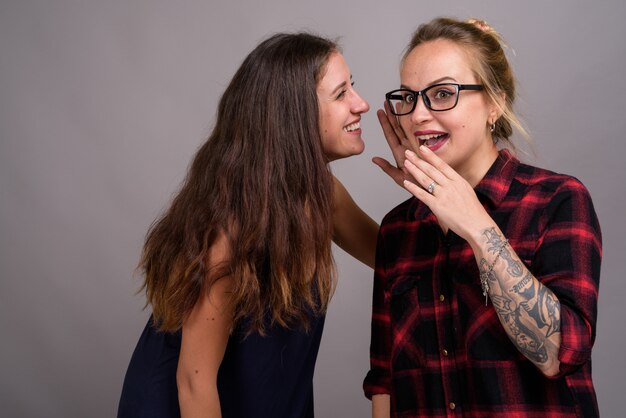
(437, 81)
(339, 87)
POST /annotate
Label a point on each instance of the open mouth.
(432, 140)
(352, 127)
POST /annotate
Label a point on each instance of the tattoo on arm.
(541, 304)
(538, 305)
(517, 288)
(514, 267)
(528, 342)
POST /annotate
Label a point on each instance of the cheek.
(323, 131)
(326, 122)
(326, 134)
(464, 124)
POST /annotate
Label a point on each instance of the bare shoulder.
(215, 298)
(219, 252)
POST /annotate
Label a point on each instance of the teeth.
(352, 127)
(427, 137)
(429, 140)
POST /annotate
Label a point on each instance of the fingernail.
(424, 148)
(409, 153)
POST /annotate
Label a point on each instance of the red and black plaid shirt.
(438, 350)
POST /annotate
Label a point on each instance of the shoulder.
(219, 251)
(547, 182)
(561, 197)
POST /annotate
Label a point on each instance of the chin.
(338, 156)
(354, 151)
(345, 152)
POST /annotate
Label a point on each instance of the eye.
(409, 98)
(341, 94)
(443, 94)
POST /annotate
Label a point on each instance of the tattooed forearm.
(527, 342)
(527, 309)
(520, 285)
(514, 267)
(493, 239)
(540, 304)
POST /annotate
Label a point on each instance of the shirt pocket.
(407, 351)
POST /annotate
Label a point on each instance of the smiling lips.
(352, 127)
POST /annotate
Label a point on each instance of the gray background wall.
(103, 103)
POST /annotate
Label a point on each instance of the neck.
(476, 170)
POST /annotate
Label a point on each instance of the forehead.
(434, 60)
(336, 71)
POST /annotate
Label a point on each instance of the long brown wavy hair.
(261, 179)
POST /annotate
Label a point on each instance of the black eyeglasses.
(438, 97)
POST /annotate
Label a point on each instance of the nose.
(421, 113)
(359, 104)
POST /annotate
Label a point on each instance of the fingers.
(388, 129)
(418, 192)
(393, 134)
(393, 121)
(432, 173)
(434, 161)
(395, 173)
(422, 179)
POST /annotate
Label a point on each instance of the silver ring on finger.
(431, 187)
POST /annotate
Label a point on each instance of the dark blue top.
(260, 377)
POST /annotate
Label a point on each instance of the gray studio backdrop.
(103, 103)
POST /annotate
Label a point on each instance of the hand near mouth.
(448, 195)
(398, 144)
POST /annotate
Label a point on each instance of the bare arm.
(381, 406)
(204, 338)
(353, 230)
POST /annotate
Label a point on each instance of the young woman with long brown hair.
(239, 270)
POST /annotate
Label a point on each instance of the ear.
(497, 108)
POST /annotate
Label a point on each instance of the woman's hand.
(397, 143)
(448, 195)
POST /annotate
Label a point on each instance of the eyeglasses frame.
(459, 88)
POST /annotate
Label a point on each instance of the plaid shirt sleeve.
(378, 378)
(567, 261)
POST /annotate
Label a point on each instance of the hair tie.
(486, 28)
(482, 25)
